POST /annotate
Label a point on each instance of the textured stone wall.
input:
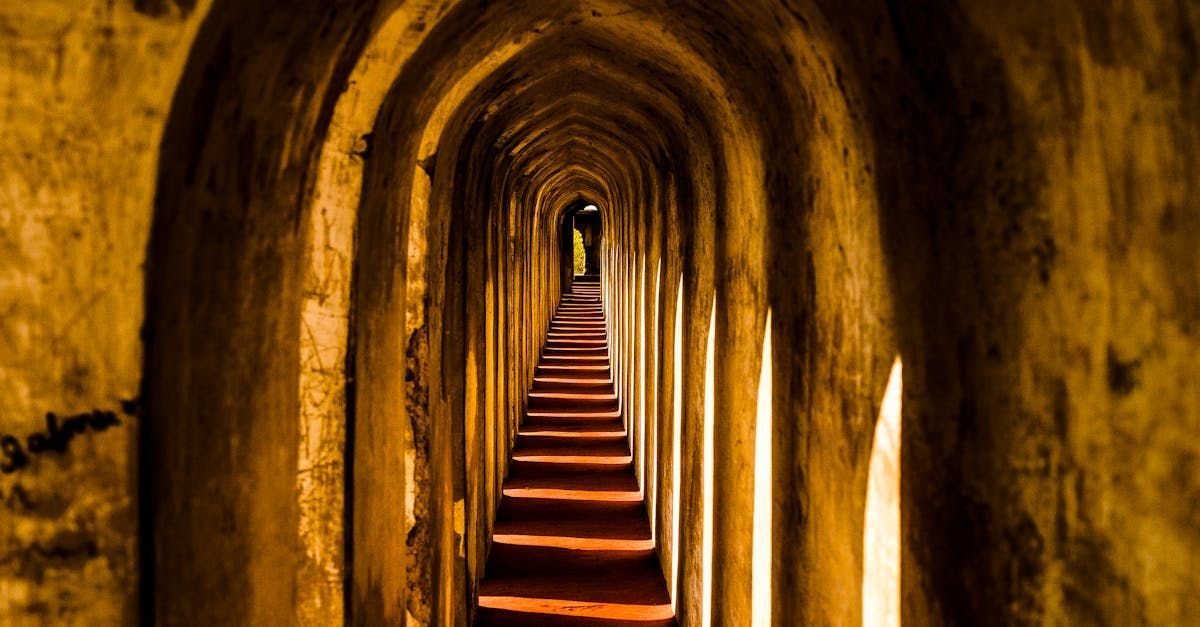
(1053, 325)
(85, 88)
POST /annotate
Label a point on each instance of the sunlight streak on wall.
(639, 371)
(677, 443)
(881, 533)
(709, 409)
(763, 473)
(652, 374)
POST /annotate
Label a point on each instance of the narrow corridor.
(881, 313)
(572, 542)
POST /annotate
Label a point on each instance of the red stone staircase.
(572, 542)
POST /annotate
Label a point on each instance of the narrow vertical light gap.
(881, 529)
(489, 391)
(709, 410)
(631, 364)
(676, 445)
(639, 371)
(763, 473)
(652, 371)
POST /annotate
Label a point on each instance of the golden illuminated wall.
(316, 242)
(85, 89)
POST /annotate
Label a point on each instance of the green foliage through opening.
(580, 254)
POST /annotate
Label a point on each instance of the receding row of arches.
(359, 241)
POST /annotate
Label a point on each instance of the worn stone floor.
(572, 542)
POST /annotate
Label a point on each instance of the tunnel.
(600, 312)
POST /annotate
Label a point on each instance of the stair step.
(588, 370)
(561, 416)
(567, 401)
(571, 383)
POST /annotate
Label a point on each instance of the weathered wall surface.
(1052, 319)
(84, 92)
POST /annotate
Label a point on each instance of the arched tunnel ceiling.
(595, 112)
(606, 102)
(513, 112)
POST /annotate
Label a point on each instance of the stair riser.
(575, 349)
(545, 560)
(533, 470)
(599, 386)
(557, 443)
(563, 360)
(578, 344)
(553, 404)
(534, 509)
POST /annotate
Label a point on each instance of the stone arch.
(219, 444)
(742, 183)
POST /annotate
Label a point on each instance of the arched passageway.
(889, 311)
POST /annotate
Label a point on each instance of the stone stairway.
(572, 542)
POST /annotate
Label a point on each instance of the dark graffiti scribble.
(16, 455)
(17, 498)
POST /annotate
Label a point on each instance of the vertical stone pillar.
(740, 319)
